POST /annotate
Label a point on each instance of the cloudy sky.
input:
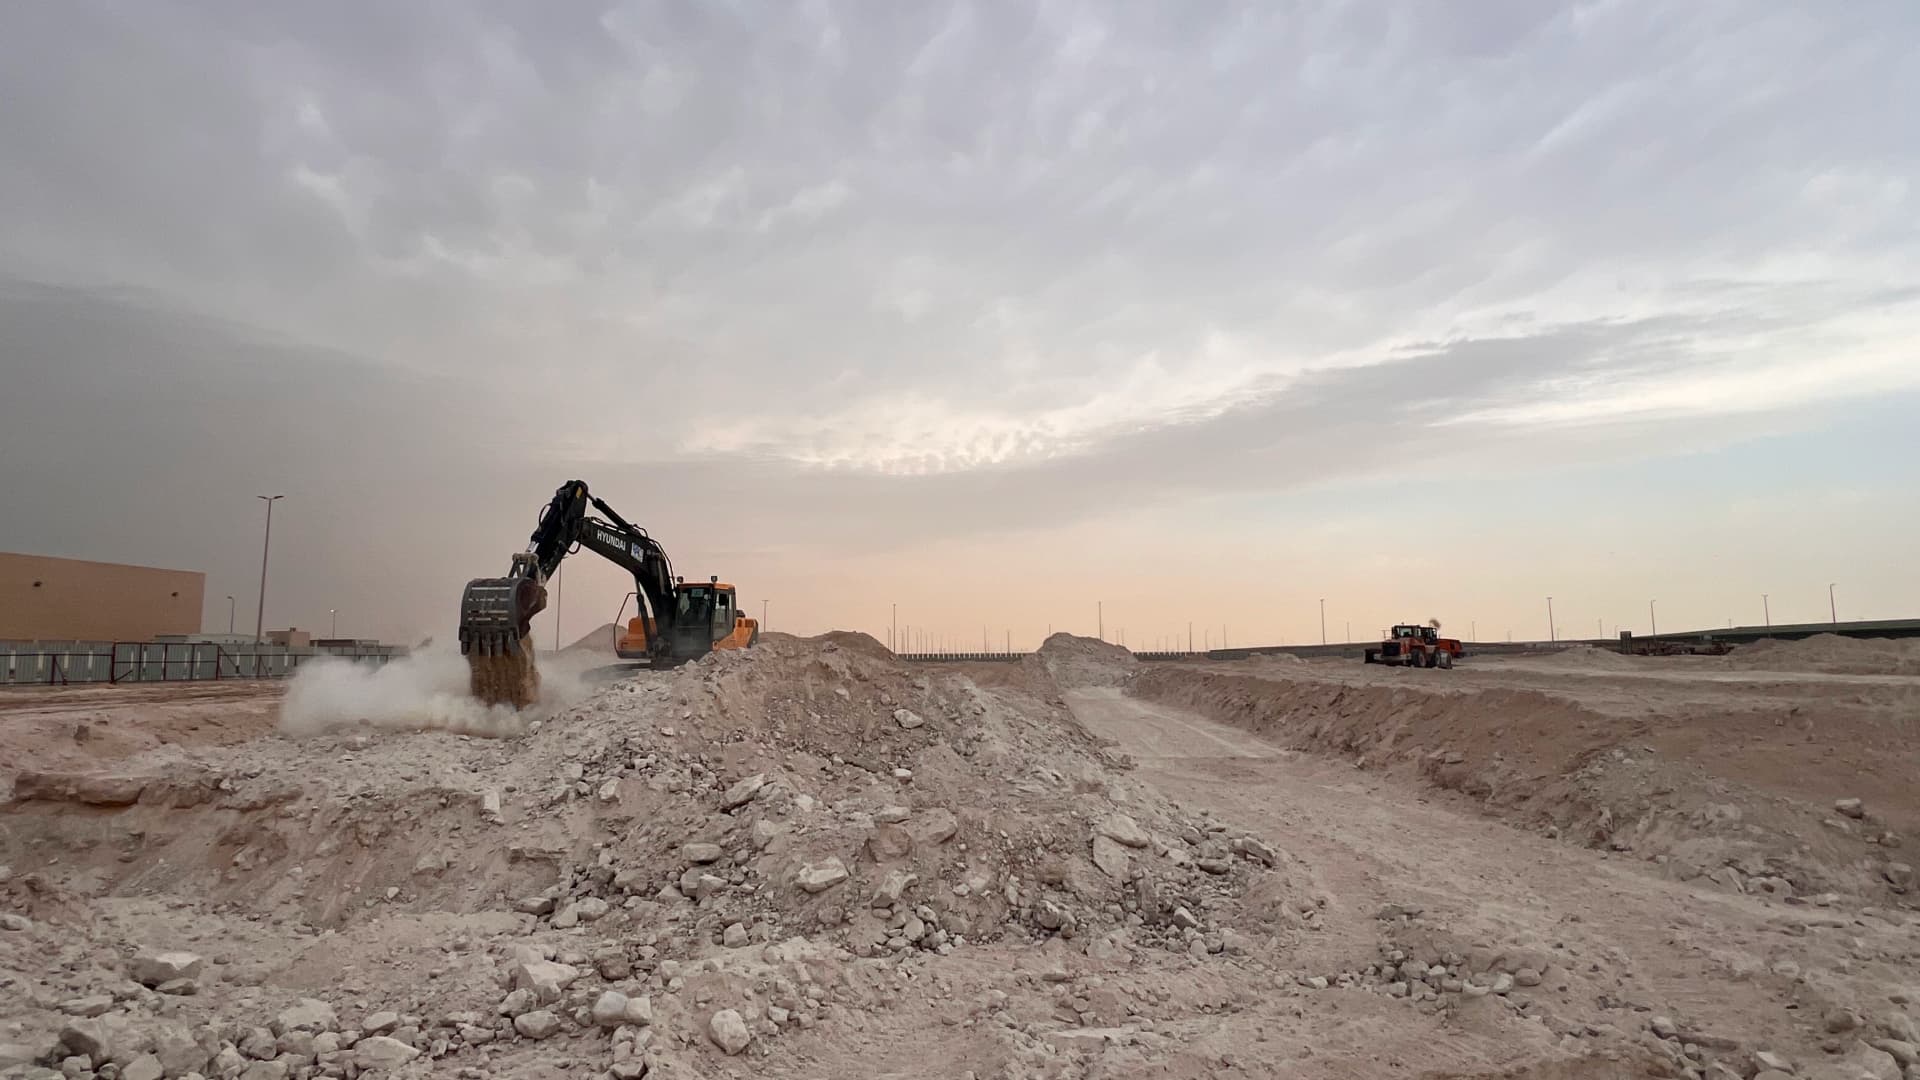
(994, 311)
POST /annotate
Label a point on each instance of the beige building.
(48, 599)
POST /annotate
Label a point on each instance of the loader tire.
(1373, 656)
(1445, 660)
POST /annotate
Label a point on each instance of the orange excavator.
(675, 621)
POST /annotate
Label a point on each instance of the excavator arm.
(496, 614)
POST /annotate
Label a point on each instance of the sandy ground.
(808, 860)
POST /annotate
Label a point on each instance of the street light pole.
(893, 634)
(763, 614)
(260, 615)
(229, 614)
(1100, 613)
(1552, 635)
(1323, 620)
(1765, 610)
(1653, 624)
(333, 622)
(1833, 612)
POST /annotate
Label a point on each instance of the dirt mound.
(1072, 661)
(1590, 657)
(1831, 654)
(796, 830)
(600, 640)
(1629, 782)
(851, 639)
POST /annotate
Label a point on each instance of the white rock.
(19, 924)
(640, 1011)
(144, 1067)
(892, 885)
(819, 877)
(380, 1023)
(538, 1024)
(1852, 808)
(91, 1005)
(546, 979)
(1124, 830)
(154, 968)
(490, 806)
(1872, 1064)
(701, 853)
(306, 1015)
(908, 719)
(1256, 850)
(729, 1032)
(1906, 1053)
(382, 1052)
(1111, 858)
(608, 791)
(891, 815)
(610, 1009)
(734, 936)
(520, 1001)
(266, 1070)
(743, 791)
(764, 832)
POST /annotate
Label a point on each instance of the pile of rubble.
(682, 863)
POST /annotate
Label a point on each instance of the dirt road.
(1624, 945)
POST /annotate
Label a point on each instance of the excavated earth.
(811, 860)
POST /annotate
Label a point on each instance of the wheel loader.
(1412, 645)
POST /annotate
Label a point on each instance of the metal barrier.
(164, 661)
(1006, 657)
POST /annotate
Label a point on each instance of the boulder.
(307, 1014)
(889, 843)
(1122, 829)
(382, 1052)
(1110, 857)
(539, 1024)
(820, 876)
(729, 1032)
(546, 979)
(154, 968)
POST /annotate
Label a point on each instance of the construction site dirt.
(809, 859)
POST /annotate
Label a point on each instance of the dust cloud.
(425, 691)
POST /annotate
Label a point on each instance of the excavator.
(675, 621)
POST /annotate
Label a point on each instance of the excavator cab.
(706, 618)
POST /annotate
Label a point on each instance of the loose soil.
(1573, 866)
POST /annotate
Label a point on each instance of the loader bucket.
(496, 635)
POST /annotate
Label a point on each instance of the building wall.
(47, 599)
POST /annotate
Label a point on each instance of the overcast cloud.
(798, 284)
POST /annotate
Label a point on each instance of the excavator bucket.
(496, 635)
